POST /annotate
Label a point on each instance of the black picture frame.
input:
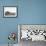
(10, 11)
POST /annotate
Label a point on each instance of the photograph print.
(10, 11)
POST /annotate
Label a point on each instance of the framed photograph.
(10, 11)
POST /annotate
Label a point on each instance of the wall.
(7, 25)
(32, 11)
(29, 12)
